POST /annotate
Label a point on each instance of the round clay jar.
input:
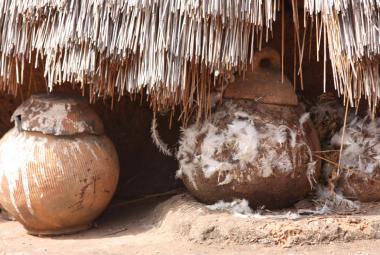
(258, 152)
(58, 171)
(258, 144)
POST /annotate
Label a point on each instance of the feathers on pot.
(360, 159)
(258, 152)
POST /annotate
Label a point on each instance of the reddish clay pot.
(258, 145)
(58, 171)
(359, 177)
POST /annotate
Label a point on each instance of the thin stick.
(343, 137)
(157, 195)
(282, 39)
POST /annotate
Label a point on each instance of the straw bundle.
(171, 48)
(351, 31)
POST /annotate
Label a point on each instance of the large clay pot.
(257, 146)
(58, 171)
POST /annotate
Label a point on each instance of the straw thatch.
(350, 30)
(176, 50)
(168, 47)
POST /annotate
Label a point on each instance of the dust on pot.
(58, 171)
(257, 146)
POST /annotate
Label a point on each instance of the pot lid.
(264, 83)
(57, 114)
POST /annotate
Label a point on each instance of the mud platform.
(180, 225)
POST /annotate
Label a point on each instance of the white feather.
(163, 147)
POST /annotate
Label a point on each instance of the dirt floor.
(180, 225)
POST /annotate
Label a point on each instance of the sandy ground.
(179, 225)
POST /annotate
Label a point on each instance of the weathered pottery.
(259, 147)
(58, 171)
(359, 177)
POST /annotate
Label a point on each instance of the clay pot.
(259, 150)
(58, 171)
(360, 173)
(360, 186)
(265, 83)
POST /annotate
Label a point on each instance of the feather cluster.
(240, 137)
(361, 145)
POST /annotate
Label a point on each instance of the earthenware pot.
(58, 171)
(258, 145)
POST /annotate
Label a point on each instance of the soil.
(180, 225)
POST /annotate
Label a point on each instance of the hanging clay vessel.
(258, 145)
(58, 171)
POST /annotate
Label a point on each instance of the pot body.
(56, 184)
(359, 177)
(354, 182)
(258, 152)
(360, 186)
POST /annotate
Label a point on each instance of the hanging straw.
(174, 50)
(351, 29)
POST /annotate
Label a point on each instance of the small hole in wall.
(265, 63)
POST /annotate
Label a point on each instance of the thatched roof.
(352, 30)
(176, 49)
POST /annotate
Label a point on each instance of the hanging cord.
(161, 145)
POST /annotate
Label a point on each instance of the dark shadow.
(123, 218)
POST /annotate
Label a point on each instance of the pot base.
(58, 232)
